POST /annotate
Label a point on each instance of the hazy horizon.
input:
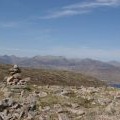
(69, 58)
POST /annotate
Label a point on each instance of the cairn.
(17, 101)
(14, 77)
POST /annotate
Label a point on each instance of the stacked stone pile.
(33, 102)
(14, 77)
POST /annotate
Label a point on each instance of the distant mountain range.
(115, 63)
(106, 71)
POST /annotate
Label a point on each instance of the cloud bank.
(81, 8)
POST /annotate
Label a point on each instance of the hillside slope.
(54, 77)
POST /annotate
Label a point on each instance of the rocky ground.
(32, 102)
(22, 100)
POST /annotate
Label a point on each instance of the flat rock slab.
(17, 87)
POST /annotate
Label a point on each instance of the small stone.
(75, 105)
(16, 106)
(22, 93)
(7, 94)
(32, 107)
(15, 70)
(42, 94)
(76, 111)
(10, 79)
(110, 109)
(10, 102)
(58, 108)
(6, 112)
(63, 116)
(21, 115)
(15, 67)
(30, 117)
(46, 108)
(17, 76)
(27, 79)
(41, 118)
(22, 82)
(40, 108)
(16, 115)
(5, 90)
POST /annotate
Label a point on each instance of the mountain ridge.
(101, 70)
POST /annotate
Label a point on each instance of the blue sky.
(71, 28)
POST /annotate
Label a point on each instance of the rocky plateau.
(57, 102)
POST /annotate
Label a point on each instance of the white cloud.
(63, 13)
(81, 8)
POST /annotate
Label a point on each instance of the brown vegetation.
(53, 77)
